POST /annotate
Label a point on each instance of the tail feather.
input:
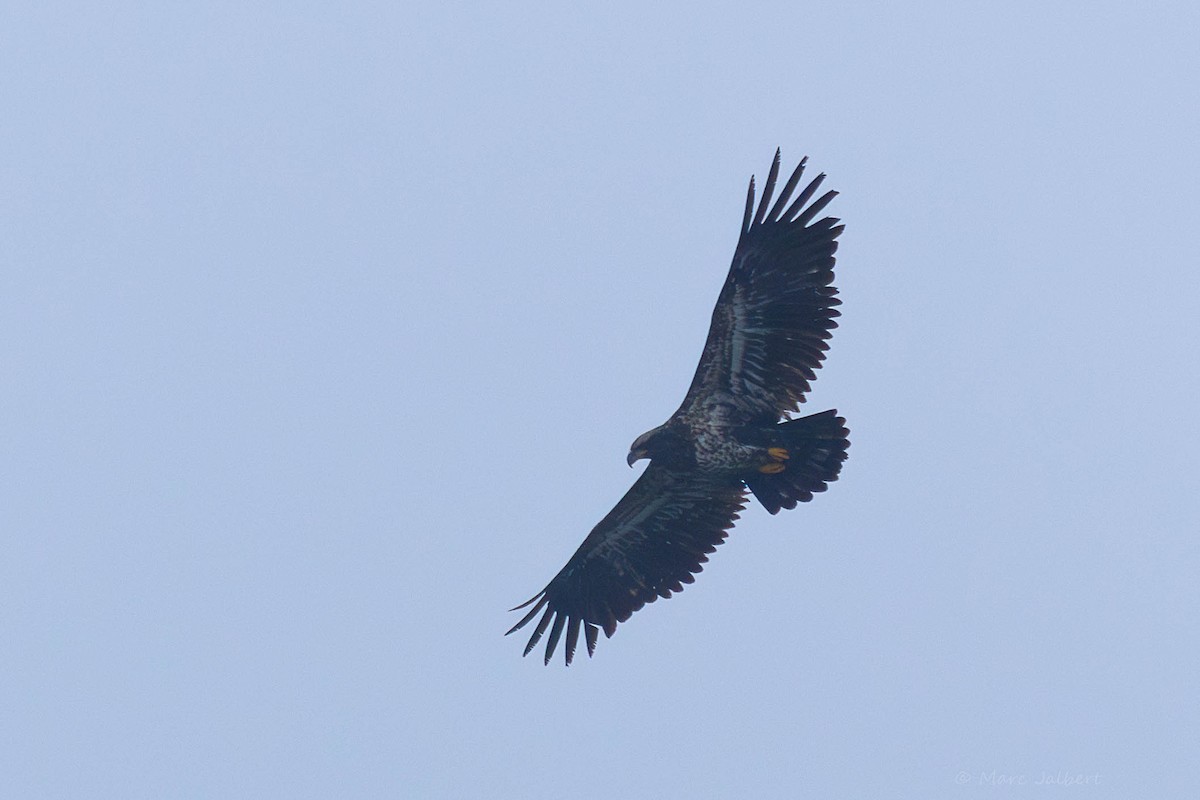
(817, 447)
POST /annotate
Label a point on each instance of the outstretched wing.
(776, 309)
(653, 541)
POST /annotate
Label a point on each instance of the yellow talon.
(772, 468)
(778, 452)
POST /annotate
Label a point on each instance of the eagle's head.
(660, 442)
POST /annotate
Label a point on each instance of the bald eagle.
(732, 434)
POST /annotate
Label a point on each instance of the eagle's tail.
(816, 447)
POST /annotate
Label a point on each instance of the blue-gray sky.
(327, 327)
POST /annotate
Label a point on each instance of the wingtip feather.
(786, 192)
(555, 633)
(749, 207)
(538, 631)
(525, 619)
(798, 205)
(816, 207)
(768, 189)
(572, 638)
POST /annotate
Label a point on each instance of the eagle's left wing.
(776, 309)
(650, 544)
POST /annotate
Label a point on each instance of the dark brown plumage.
(730, 435)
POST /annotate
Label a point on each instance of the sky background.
(325, 328)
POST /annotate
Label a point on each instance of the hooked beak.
(634, 456)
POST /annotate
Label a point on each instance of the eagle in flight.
(732, 434)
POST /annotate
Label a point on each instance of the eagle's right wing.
(776, 309)
(653, 541)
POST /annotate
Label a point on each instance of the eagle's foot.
(778, 455)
